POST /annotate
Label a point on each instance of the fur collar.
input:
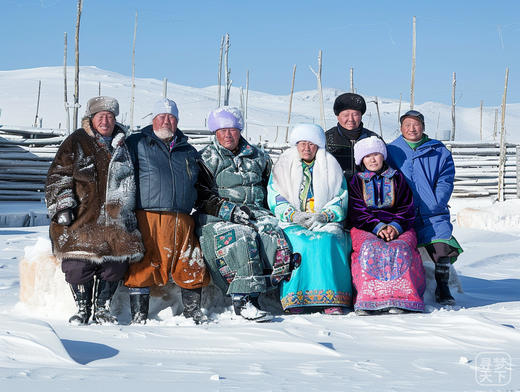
(327, 177)
(118, 134)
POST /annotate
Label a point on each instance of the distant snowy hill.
(18, 98)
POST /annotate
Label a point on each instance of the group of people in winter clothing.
(335, 223)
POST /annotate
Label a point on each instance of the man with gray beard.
(171, 180)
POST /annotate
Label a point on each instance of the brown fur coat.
(99, 187)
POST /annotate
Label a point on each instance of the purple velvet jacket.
(379, 200)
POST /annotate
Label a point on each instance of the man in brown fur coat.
(90, 195)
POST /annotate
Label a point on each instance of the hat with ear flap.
(102, 104)
(309, 132)
(368, 145)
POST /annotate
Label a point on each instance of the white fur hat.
(165, 105)
(310, 132)
(367, 146)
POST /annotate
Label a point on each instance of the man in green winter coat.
(244, 248)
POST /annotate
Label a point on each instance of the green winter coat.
(241, 179)
(239, 255)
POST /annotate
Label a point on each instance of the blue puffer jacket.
(165, 179)
(429, 171)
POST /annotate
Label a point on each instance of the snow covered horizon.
(267, 114)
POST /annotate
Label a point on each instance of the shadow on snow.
(482, 292)
(86, 352)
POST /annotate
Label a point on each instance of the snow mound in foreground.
(44, 292)
(30, 341)
(43, 289)
(500, 217)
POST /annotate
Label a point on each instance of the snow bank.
(501, 217)
(43, 291)
(42, 284)
(30, 341)
(265, 111)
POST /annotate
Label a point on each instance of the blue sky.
(180, 40)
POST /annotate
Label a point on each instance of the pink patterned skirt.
(387, 274)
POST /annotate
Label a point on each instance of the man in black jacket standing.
(349, 108)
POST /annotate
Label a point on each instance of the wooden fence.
(477, 169)
(26, 154)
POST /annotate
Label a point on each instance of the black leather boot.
(191, 299)
(139, 304)
(83, 296)
(103, 293)
(249, 308)
(442, 276)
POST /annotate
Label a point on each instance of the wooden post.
(242, 101)
(399, 111)
(219, 76)
(454, 83)
(37, 104)
(495, 126)
(320, 90)
(351, 79)
(247, 99)
(227, 71)
(379, 117)
(76, 73)
(290, 105)
(438, 120)
(132, 98)
(518, 171)
(502, 160)
(165, 88)
(65, 99)
(412, 92)
(481, 105)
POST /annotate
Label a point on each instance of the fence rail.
(26, 154)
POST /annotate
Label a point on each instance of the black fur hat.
(349, 101)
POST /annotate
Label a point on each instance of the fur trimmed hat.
(309, 132)
(350, 101)
(413, 113)
(101, 104)
(165, 105)
(225, 117)
(367, 146)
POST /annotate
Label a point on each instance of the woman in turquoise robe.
(307, 192)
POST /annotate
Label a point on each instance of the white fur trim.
(310, 132)
(327, 177)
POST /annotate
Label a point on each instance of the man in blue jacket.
(429, 170)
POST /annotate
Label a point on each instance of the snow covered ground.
(474, 346)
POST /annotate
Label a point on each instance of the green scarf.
(306, 183)
(414, 145)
